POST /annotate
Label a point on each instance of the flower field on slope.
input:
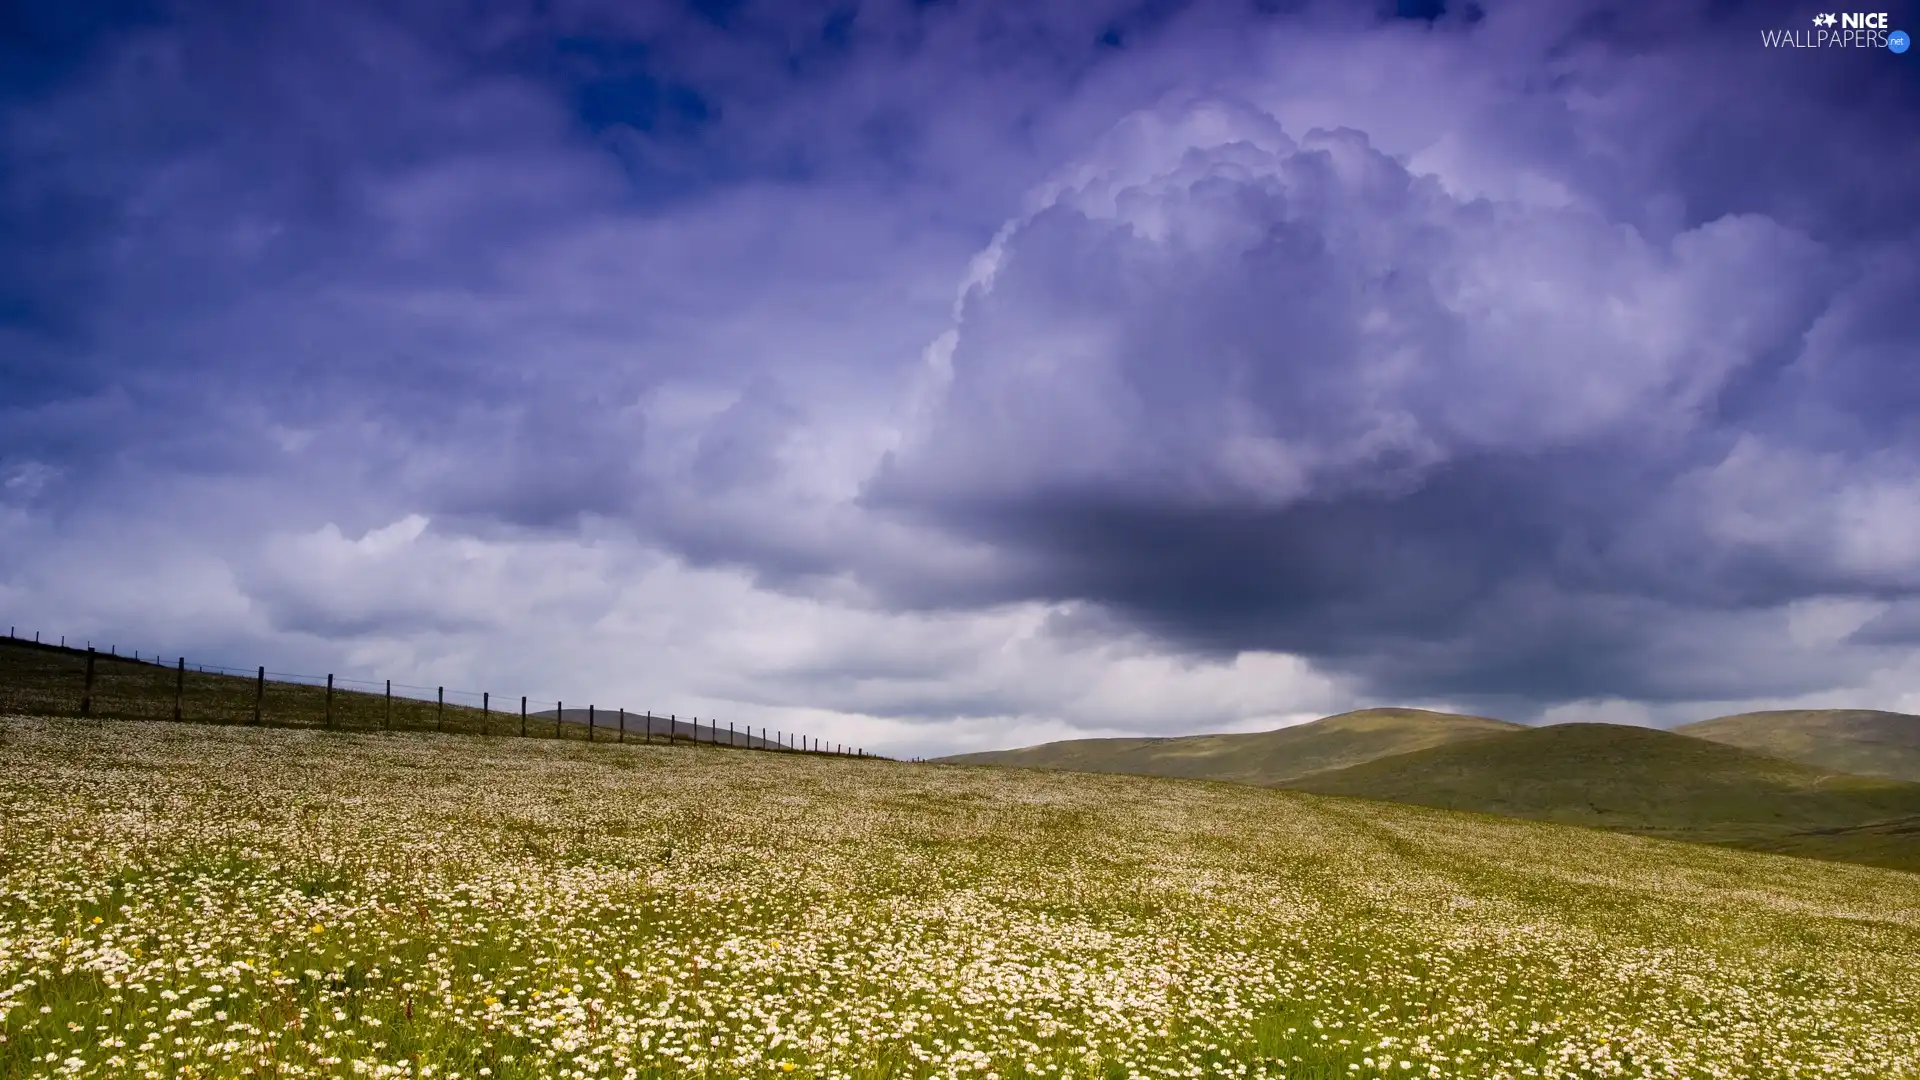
(197, 901)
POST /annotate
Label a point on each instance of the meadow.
(182, 900)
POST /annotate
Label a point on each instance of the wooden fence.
(45, 678)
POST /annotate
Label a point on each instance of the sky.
(942, 376)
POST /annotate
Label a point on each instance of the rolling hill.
(1863, 741)
(1651, 782)
(50, 680)
(1264, 757)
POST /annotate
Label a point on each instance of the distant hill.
(1864, 741)
(1264, 757)
(1653, 782)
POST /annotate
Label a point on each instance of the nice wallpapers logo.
(1848, 29)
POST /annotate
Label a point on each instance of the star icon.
(1824, 20)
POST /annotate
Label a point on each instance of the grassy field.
(1653, 782)
(1261, 757)
(1864, 741)
(191, 900)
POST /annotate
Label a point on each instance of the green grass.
(1863, 741)
(222, 901)
(1265, 757)
(1653, 782)
(38, 679)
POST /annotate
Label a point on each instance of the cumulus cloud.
(1264, 392)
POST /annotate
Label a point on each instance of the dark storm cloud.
(1285, 395)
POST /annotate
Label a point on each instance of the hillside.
(1863, 741)
(1263, 757)
(1651, 782)
(50, 680)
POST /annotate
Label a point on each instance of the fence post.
(649, 727)
(179, 687)
(440, 711)
(259, 692)
(623, 724)
(589, 723)
(672, 722)
(389, 719)
(559, 715)
(329, 699)
(523, 716)
(86, 691)
(729, 734)
(486, 713)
